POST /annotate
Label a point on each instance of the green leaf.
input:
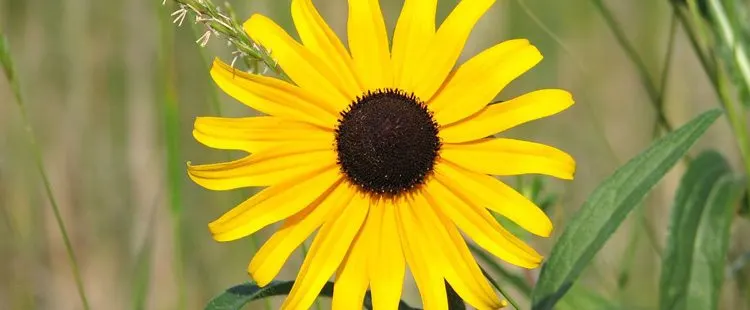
(580, 297)
(697, 192)
(238, 296)
(712, 244)
(690, 201)
(607, 207)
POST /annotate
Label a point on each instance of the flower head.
(386, 152)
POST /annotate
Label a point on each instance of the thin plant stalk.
(599, 127)
(664, 79)
(734, 112)
(167, 100)
(630, 51)
(6, 60)
(500, 289)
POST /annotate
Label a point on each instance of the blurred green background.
(112, 89)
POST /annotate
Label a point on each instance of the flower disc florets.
(387, 142)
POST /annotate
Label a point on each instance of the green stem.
(517, 281)
(741, 58)
(739, 126)
(734, 110)
(664, 79)
(5, 59)
(646, 79)
(718, 81)
(500, 289)
(167, 100)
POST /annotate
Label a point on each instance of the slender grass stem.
(640, 65)
(548, 31)
(664, 79)
(500, 289)
(7, 63)
(167, 100)
(598, 126)
(522, 285)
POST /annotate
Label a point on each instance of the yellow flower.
(388, 154)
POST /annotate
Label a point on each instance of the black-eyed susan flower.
(387, 152)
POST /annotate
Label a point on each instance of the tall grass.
(6, 60)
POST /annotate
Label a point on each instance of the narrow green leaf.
(693, 265)
(236, 297)
(690, 201)
(711, 246)
(5, 59)
(607, 207)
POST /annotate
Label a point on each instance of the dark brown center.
(387, 142)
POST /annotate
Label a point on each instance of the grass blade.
(607, 206)
(238, 296)
(167, 100)
(646, 80)
(7, 63)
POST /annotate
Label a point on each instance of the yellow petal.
(481, 78)
(486, 191)
(452, 257)
(274, 97)
(446, 46)
(505, 115)
(253, 134)
(319, 39)
(414, 31)
(479, 225)
(274, 204)
(429, 280)
(368, 42)
(302, 66)
(352, 277)
(271, 257)
(326, 254)
(387, 265)
(510, 157)
(265, 168)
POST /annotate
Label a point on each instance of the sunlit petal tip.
(257, 276)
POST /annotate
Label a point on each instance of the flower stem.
(6, 60)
